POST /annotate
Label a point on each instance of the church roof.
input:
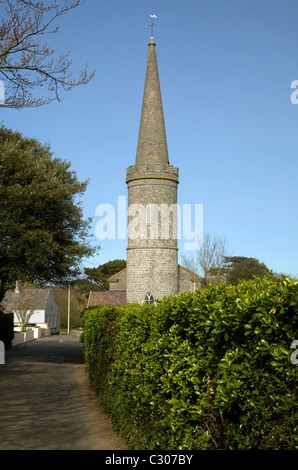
(200, 278)
(106, 298)
(191, 273)
(115, 276)
(152, 142)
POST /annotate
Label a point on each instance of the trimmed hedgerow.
(203, 370)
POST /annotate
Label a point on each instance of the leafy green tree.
(240, 267)
(43, 235)
(98, 276)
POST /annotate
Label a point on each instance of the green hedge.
(6, 328)
(204, 370)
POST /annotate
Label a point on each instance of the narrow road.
(46, 402)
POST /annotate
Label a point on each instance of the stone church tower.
(152, 270)
(152, 253)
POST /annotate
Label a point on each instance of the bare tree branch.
(27, 63)
(209, 260)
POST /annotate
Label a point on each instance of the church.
(152, 270)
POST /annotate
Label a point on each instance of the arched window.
(149, 299)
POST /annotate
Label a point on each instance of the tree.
(43, 235)
(22, 304)
(98, 276)
(240, 267)
(26, 61)
(209, 260)
(78, 302)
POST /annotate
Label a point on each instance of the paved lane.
(46, 402)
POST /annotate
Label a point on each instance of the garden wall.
(23, 337)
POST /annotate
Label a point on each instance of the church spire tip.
(152, 25)
(152, 141)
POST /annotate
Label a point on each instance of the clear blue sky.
(225, 70)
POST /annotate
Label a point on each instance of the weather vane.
(152, 25)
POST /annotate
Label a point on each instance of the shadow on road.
(47, 402)
(62, 348)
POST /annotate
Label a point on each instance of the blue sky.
(226, 69)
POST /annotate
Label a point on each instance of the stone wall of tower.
(151, 271)
(152, 253)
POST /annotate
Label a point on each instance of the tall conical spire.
(152, 143)
(152, 253)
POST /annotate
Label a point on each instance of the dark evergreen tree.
(43, 235)
(98, 276)
(241, 267)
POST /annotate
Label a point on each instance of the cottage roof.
(33, 299)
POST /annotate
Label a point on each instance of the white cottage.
(39, 303)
